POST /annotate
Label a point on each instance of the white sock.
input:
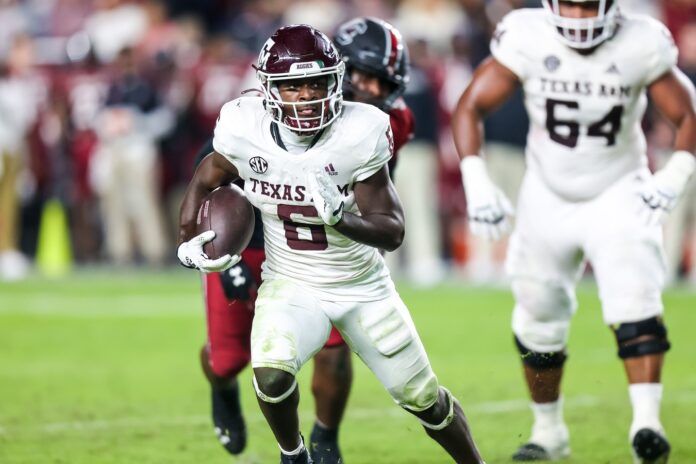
(294, 452)
(645, 399)
(548, 415)
(549, 430)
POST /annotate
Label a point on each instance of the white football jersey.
(299, 246)
(585, 110)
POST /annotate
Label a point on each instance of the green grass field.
(102, 368)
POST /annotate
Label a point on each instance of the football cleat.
(323, 445)
(650, 447)
(302, 458)
(228, 420)
(533, 452)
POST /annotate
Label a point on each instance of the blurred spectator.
(677, 14)
(322, 14)
(222, 75)
(18, 112)
(114, 25)
(83, 88)
(68, 17)
(162, 34)
(125, 171)
(252, 25)
(14, 22)
(433, 21)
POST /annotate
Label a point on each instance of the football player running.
(316, 169)
(377, 65)
(585, 69)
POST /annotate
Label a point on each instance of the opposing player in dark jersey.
(376, 72)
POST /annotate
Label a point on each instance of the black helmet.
(376, 47)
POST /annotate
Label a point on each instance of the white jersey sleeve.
(230, 128)
(662, 51)
(509, 44)
(380, 155)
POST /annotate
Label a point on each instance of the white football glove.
(191, 255)
(660, 193)
(328, 201)
(488, 207)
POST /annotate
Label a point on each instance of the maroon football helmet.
(297, 52)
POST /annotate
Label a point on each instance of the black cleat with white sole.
(649, 447)
(228, 420)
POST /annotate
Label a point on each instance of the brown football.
(226, 211)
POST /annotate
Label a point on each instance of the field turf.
(102, 368)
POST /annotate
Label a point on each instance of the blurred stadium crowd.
(105, 103)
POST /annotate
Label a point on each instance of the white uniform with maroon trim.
(586, 157)
(313, 275)
(299, 247)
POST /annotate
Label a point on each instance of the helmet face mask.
(584, 33)
(375, 48)
(300, 52)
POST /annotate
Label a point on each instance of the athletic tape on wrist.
(268, 399)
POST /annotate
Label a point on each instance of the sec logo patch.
(258, 164)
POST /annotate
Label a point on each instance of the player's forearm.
(491, 86)
(382, 231)
(195, 193)
(685, 137)
(467, 128)
(211, 173)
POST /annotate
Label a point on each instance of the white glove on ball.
(191, 255)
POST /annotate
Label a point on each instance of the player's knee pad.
(274, 399)
(448, 418)
(226, 364)
(419, 393)
(539, 360)
(641, 338)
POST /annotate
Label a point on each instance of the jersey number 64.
(606, 127)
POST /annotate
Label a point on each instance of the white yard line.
(485, 408)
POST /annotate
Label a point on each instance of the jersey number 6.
(317, 240)
(606, 127)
